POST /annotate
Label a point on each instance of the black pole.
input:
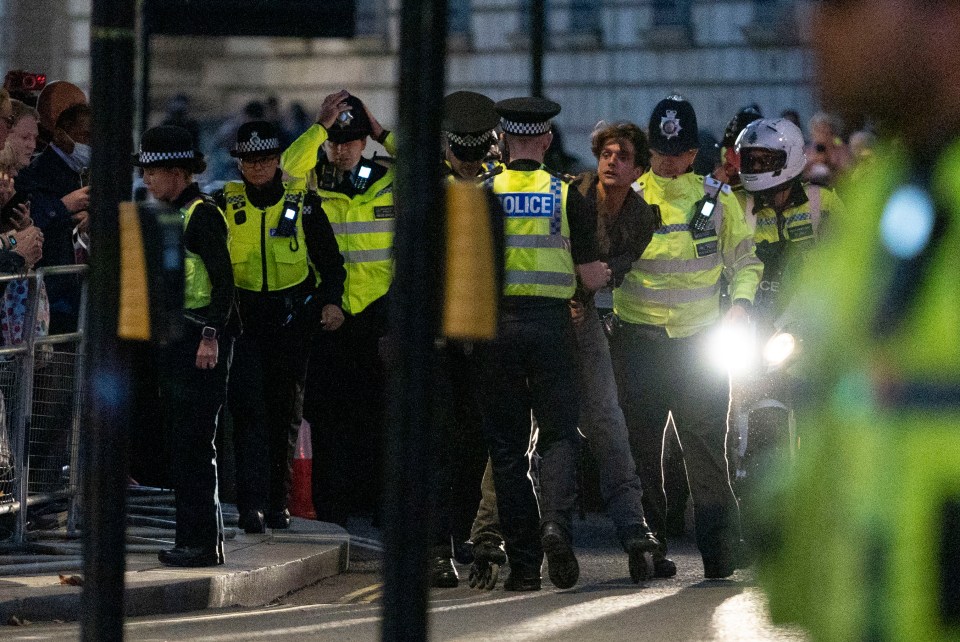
(107, 403)
(538, 28)
(414, 326)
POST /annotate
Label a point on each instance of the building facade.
(605, 59)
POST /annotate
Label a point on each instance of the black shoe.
(463, 552)
(718, 569)
(663, 566)
(190, 556)
(522, 579)
(443, 574)
(278, 519)
(641, 549)
(562, 564)
(251, 521)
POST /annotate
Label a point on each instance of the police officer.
(873, 495)
(281, 244)
(469, 119)
(345, 384)
(193, 377)
(666, 303)
(531, 364)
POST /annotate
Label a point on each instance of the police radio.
(288, 220)
(704, 209)
(328, 175)
(362, 175)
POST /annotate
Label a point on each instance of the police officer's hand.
(737, 314)
(594, 275)
(332, 106)
(207, 354)
(331, 317)
(376, 129)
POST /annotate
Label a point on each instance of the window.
(371, 18)
(672, 13)
(585, 16)
(459, 17)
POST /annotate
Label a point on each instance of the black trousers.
(191, 400)
(266, 403)
(531, 366)
(344, 404)
(655, 376)
(460, 451)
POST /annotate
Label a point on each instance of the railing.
(41, 390)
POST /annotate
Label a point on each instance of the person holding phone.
(289, 276)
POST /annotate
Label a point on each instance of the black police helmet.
(256, 138)
(353, 124)
(673, 126)
(169, 146)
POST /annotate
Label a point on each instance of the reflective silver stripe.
(362, 227)
(670, 296)
(536, 241)
(813, 196)
(367, 256)
(522, 277)
(677, 266)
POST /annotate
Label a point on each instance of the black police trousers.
(266, 402)
(191, 400)
(531, 366)
(655, 376)
(344, 404)
(460, 451)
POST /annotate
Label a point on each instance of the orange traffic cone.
(301, 493)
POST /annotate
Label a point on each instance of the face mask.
(81, 154)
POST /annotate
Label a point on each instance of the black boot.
(443, 574)
(278, 519)
(191, 556)
(562, 565)
(641, 547)
(522, 579)
(251, 521)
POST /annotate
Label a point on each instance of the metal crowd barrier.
(41, 381)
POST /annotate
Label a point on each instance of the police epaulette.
(563, 176)
(493, 172)
(712, 187)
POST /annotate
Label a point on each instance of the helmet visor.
(760, 160)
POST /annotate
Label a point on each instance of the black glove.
(620, 266)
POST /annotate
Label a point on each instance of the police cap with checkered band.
(256, 138)
(526, 116)
(168, 146)
(673, 126)
(468, 122)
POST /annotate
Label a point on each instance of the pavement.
(258, 570)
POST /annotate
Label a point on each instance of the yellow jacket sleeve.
(738, 250)
(301, 157)
(390, 144)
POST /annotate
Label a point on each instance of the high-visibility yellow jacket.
(262, 260)
(675, 284)
(537, 249)
(363, 224)
(197, 286)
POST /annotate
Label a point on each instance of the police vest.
(197, 286)
(537, 248)
(778, 249)
(363, 226)
(263, 261)
(676, 281)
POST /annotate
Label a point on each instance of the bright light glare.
(733, 347)
(779, 348)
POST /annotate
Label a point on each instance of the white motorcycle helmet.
(771, 153)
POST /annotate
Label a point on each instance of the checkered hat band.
(156, 157)
(467, 140)
(524, 129)
(259, 145)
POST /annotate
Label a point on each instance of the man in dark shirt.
(531, 365)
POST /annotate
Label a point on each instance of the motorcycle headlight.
(733, 348)
(779, 348)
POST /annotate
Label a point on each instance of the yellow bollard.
(134, 319)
